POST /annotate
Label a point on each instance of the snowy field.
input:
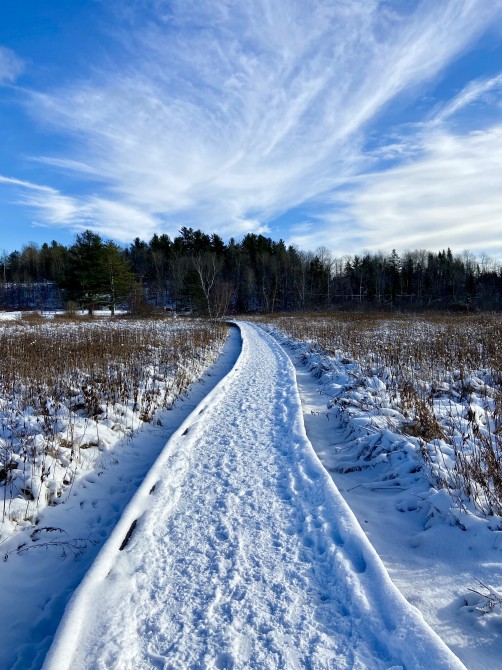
(71, 389)
(238, 552)
(74, 492)
(439, 546)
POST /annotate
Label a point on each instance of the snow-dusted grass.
(237, 551)
(70, 389)
(436, 380)
(440, 543)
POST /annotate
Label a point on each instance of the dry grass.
(60, 374)
(442, 372)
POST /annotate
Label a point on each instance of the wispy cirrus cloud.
(449, 196)
(453, 191)
(110, 218)
(224, 115)
(448, 192)
(475, 91)
(11, 66)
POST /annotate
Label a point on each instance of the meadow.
(433, 379)
(72, 387)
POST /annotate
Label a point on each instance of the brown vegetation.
(442, 372)
(58, 376)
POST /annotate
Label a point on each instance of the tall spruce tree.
(84, 279)
(98, 273)
(116, 275)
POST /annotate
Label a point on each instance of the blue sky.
(350, 124)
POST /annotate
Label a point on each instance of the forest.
(201, 273)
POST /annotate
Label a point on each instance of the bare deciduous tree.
(208, 266)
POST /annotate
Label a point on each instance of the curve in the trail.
(239, 552)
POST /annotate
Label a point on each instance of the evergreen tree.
(116, 275)
(98, 273)
(197, 269)
(86, 272)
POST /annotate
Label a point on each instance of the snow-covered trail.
(242, 552)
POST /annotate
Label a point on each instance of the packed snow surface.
(445, 558)
(237, 551)
(43, 564)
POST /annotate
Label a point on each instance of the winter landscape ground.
(404, 413)
(238, 549)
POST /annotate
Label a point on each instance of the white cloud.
(55, 208)
(109, 218)
(11, 66)
(119, 221)
(225, 123)
(450, 197)
(25, 184)
(472, 93)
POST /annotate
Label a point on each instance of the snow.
(16, 315)
(36, 583)
(434, 552)
(64, 407)
(238, 551)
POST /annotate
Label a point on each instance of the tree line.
(197, 271)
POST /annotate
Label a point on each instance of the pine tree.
(115, 274)
(98, 273)
(84, 281)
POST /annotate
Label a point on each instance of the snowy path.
(244, 555)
